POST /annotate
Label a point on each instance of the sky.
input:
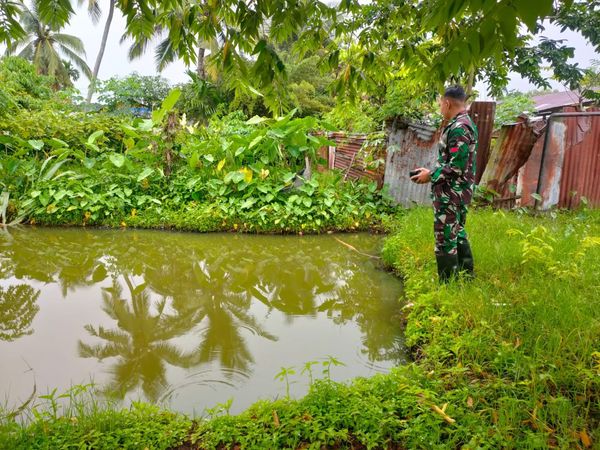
(115, 62)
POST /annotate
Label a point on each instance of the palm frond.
(26, 52)
(30, 19)
(164, 54)
(98, 351)
(77, 60)
(94, 10)
(68, 40)
(138, 48)
(51, 59)
(37, 57)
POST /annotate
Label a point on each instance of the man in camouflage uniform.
(452, 181)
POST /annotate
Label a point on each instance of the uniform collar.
(455, 118)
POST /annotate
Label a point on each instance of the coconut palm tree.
(43, 45)
(73, 73)
(95, 13)
(166, 53)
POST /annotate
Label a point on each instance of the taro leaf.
(167, 105)
(194, 159)
(95, 135)
(58, 143)
(255, 141)
(248, 203)
(256, 120)
(35, 144)
(145, 173)
(59, 195)
(117, 159)
(89, 162)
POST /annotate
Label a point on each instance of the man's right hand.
(423, 177)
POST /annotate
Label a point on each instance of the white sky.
(115, 62)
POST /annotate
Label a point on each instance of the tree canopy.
(424, 42)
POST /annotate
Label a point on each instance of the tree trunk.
(200, 66)
(92, 87)
(470, 83)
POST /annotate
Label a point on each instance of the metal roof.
(556, 100)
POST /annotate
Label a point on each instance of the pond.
(191, 320)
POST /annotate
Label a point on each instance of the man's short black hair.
(455, 92)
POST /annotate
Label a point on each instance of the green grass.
(522, 340)
(509, 360)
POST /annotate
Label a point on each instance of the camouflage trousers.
(449, 226)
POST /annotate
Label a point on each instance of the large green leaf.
(167, 105)
(35, 144)
(145, 173)
(256, 120)
(95, 135)
(117, 159)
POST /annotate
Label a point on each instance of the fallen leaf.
(495, 416)
(276, 419)
(470, 402)
(585, 439)
(445, 416)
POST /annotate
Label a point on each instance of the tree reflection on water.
(17, 310)
(157, 287)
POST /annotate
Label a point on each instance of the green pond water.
(190, 320)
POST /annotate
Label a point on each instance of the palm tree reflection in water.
(141, 341)
(210, 292)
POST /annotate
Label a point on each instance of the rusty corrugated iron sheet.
(529, 173)
(323, 163)
(581, 165)
(348, 156)
(483, 114)
(409, 146)
(565, 163)
(512, 149)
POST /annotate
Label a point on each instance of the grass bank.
(510, 360)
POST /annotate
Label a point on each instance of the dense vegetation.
(510, 360)
(63, 166)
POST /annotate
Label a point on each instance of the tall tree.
(95, 13)
(434, 40)
(166, 51)
(42, 44)
(73, 73)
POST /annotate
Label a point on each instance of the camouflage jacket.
(453, 177)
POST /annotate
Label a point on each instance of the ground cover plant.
(509, 360)
(235, 173)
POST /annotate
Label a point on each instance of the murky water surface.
(190, 320)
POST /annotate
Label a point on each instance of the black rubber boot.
(465, 259)
(447, 267)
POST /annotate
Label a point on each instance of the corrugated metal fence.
(409, 146)
(557, 160)
(413, 145)
(565, 163)
(356, 155)
(483, 114)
